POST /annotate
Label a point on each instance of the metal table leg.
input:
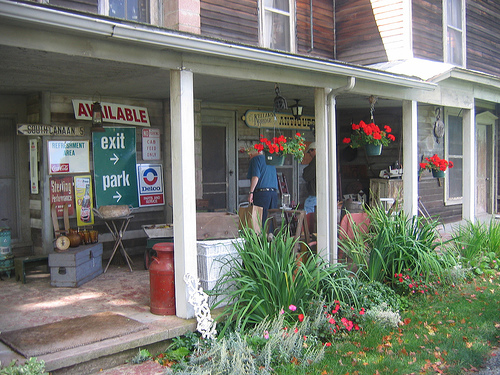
(118, 236)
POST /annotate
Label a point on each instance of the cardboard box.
(75, 267)
(216, 225)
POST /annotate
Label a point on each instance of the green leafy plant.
(479, 246)
(365, 134)
(267, 276)
(282, 146)
(141, 356)
(31, 367)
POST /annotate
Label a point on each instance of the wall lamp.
(297, 109)
(97, 117)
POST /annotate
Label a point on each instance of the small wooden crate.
(75, 267)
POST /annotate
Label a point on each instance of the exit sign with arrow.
(115, 167)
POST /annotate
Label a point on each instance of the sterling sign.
(115, 113)
(268, 119)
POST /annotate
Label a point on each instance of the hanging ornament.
(438, 126)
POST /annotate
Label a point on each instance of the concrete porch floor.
(118, 290)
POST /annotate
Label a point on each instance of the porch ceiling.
(27, 71)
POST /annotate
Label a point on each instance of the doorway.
(8, 184)
(485, 162)
(218, 159)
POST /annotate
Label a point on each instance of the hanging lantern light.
(279, 101)
(97, 117)
(297, 109)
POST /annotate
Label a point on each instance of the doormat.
(69, 333)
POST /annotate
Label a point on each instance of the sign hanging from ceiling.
(115, 167)
(269, 119)
(111, 112)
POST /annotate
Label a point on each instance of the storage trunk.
(75, 267)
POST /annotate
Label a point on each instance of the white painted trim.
(322, 213)
(469, 166)
(452, 112)
(410, 157)
(445, 33)
(183, 186)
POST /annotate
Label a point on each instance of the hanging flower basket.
(274, 159)
(436, 165)
(373, 150)
(437, 174)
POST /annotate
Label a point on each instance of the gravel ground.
(492, 365)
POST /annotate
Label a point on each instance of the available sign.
(111, 112)
(115, 167)
(150, 181)
(68, 157)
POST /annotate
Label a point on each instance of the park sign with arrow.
(115, 167)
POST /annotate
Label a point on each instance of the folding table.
(117, 227)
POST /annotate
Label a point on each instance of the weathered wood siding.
(431, 194)
(236, 21)
(427, 21)
(323, 26)
(359, 38)
(483, 36)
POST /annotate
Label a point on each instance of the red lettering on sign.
(111, 116)
(82, 111)
(55, 168)
(135, 116)
(119, 114)
(143, 116)
(128, 114)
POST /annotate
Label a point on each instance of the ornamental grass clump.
(267, 276)
(397, 243)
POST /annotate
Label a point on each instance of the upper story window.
(133, 10)
(278, 25)
(454, 31)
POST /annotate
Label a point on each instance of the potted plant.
(277, 148)
(370, 137)
(436, 165)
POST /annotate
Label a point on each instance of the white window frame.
(263, 26)
(446, 26)
(448, 201)
(103, 8)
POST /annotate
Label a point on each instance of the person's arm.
(253, 183)
(309, 173)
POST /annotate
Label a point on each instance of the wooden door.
(8, 188)
(484, 163)
(218, 160)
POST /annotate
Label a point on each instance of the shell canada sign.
(111, 112)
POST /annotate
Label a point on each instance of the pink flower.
(266, 335)
(331, 321)
(296, 330)
(301, 317)
(328, 344)
(292, 307)
(362, 312)
(282, 312)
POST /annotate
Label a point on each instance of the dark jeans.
(266, 200)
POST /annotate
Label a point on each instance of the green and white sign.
(115, 167)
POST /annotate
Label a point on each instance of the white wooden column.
(183, 186)
(322, 173)
(332, 177)
(410, 157)
(469, 167)
(47, 230)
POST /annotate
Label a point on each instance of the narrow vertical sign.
(150, 144)
(83, 197)
(34, 166)
(115, 167)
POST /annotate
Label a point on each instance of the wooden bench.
(21, 264)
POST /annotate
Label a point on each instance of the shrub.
(269, 277)
(31, 367)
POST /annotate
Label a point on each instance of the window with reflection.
(454, 28)
(277, 25)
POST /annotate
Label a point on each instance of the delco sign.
(150, 185)
(111, 112)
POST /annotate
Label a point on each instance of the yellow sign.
(268, 119)
(83, 199)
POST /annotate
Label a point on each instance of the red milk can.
(162, 280)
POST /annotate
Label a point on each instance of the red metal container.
(162, 280)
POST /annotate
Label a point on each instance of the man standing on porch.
(309, 175)
(263, 183)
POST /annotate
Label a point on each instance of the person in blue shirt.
(309, 175)
(263, 183)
